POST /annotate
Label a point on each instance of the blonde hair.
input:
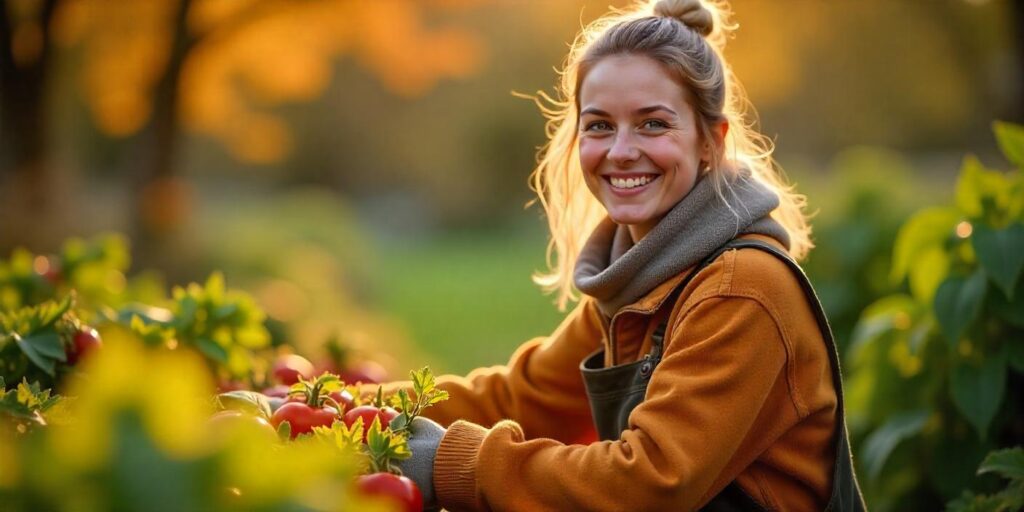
(687, 37)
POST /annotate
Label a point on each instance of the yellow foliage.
(169, 389)
(247, 55)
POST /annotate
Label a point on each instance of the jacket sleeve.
(541, 381)
(692, 435)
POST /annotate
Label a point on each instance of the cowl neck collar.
(617, 272)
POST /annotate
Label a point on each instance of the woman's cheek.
(590, 154)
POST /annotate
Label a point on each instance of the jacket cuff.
(455, 466)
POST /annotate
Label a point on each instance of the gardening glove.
(424, 438)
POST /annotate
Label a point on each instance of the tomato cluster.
(299, 405)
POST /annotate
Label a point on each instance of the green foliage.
(384, 446)
(26, 406)
(136, 446)
(44, 299)
(934, 376)
(33, 340)
(424, 388)
(246, 401)
(226, 326)
(1008, 464)
(858, 211)
(95, 269)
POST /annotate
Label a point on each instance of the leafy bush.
(858, 210)
(935, 375)
(45, 299)
(138, 438)
(1008, 464)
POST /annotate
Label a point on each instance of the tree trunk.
(1017, 8)
(28, 208)
(162, 198)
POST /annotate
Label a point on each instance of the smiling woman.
(698, 370)
(640, 148)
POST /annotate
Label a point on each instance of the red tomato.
(84, 342)
(289, 367)
(367, 372)
(303, 417)
(399, 489)
(344, 399)
(368, 413)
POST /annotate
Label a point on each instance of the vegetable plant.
(936, 375)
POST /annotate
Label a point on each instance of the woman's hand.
(424, 437)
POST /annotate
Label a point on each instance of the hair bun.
(692, 13)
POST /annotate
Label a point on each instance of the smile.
(631, 183)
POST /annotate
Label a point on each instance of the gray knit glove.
(424, 437)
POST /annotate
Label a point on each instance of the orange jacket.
(743, 392)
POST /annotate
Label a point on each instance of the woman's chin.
(629, 218)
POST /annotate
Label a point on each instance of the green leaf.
(215, 287)
(880, 444)
(958, 303)
(186, 307)
(249, 401)
(1008, 463)
(399, 423)
(224, 311)
(954, 456)
(973, 184)
(439, 396)
(1010, 310)
(49, 312)
(284, 431)
(1001, 254)
(930, 268)
(40, 350)
(48, 344)
(1011, 141)
(977, 389)
(212, 350)
(147, 314)
(970, 502)
(928, 228)
(880, 317)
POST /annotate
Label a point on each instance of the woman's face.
(640, 149)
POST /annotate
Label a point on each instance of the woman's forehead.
(629, 82)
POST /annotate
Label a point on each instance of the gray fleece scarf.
(616, 272)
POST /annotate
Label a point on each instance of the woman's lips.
(620, 185)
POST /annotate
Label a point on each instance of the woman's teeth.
(630, 182)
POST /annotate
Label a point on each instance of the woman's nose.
(624, 149)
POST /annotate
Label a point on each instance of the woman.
(697, 350)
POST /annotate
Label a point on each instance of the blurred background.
(361, 166)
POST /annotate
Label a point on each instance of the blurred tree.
(215, 68)
(25, 55)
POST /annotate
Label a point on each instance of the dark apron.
(614, 392)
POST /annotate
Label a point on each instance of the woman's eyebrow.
(639, 111)
(653, 108)
(594, 111)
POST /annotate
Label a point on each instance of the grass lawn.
(466, 298)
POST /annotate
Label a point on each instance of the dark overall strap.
(846, 494)
(613, 392)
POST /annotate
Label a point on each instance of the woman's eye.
(655, 124)
(597, 126)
